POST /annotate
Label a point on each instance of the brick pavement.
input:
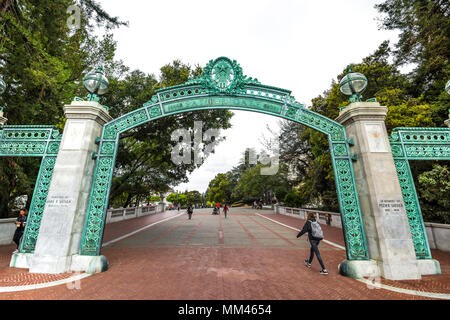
(242, 257)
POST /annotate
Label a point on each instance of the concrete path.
(245, 256)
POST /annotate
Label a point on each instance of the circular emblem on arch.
(223, 74)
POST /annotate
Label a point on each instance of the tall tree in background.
(424, 27)
(144, 161)
(307, 151)
(42, 63)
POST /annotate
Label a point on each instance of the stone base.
(89, 264)
(358, 269)
(409, 270)
(55, 265)
(49, 264)
(429, 267)
(21, 260)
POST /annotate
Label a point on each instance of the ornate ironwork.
(223, 86)
(33, 141)
(417, 144)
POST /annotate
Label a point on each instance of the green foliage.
(293, 199)
(435, 194)
(43, 64)
(144, 162)
(424, 27)
(220, 189)
(187, 197)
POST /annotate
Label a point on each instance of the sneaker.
(324, 271)
(307, 264)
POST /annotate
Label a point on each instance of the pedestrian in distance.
(20, 227)
(225, 210)
(189, 211)
(218, 208)
(315, 235)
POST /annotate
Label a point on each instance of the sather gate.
(84, 169)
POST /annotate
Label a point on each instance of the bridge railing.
(120, 214)
(329, 218)
(438, 234)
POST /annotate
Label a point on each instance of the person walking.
(189, 211)
(225, 210)
(315, 235)
(20, 227)
(218, 207)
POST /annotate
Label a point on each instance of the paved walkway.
(245, 256)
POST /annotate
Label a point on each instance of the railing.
(329, 218)
(119, 214)
(438, 234)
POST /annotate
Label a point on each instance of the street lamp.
(353, 84)
(96, 83)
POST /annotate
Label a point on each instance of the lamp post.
(353, 84)
(96, 84)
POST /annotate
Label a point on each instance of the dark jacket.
(308, 229)
(22, 220)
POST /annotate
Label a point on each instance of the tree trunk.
(127, 203)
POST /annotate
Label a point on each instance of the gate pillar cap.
(362, 111)
(91, 110)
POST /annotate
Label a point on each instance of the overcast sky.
(299, 45)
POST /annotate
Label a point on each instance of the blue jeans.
(315, 250)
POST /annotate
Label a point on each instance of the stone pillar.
(389, 239)
(62, 222)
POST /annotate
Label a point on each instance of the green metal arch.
(223, 86)
(417, 144)
(33, 141)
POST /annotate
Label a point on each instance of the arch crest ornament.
(222, 85)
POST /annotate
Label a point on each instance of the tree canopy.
(43, 61)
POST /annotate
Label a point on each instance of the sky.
(299, 45)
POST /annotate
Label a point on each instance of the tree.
(220, 189)
(306, 150)
(253, 185)
(424, 27)
(43, 63)
(435, 193)
(177, 198)
(144, 162)
(193, 197)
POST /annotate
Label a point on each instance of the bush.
(293, 199)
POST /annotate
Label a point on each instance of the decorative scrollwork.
(33, 141)
(37, 206)
(413, 211)
(417, 144)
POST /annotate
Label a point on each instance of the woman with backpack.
(315, 234)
